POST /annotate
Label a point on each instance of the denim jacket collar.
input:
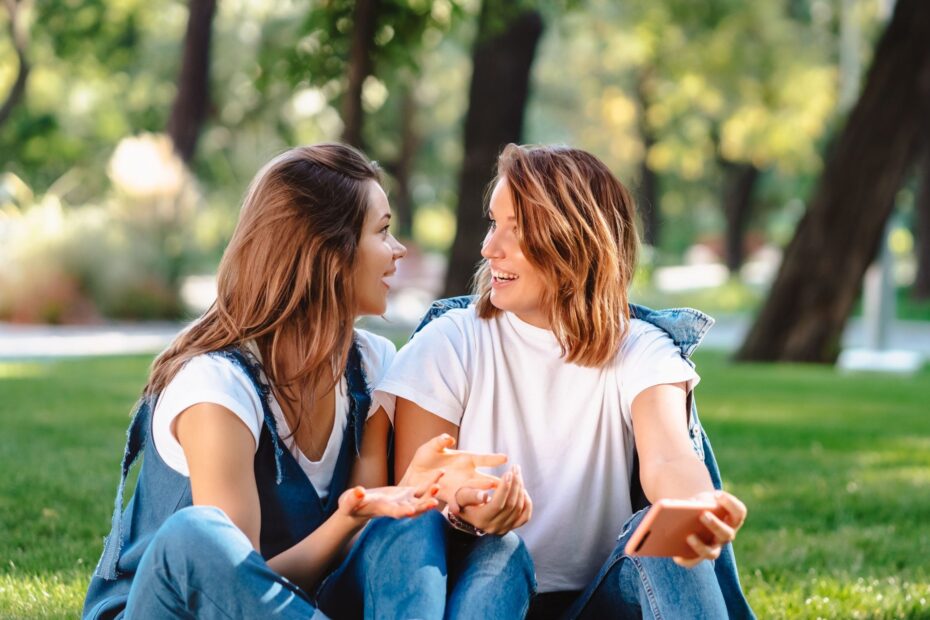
(685, 326)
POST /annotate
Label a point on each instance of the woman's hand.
(395, 502)
(723, 530)
(458, 469)
(506, 509)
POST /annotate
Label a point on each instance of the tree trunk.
(921, 289)
(821, 274)
(647, 194)
(402, 168)
(20, 40)
(739, 182)
(361, 66)
(501, 61)
(192, 102)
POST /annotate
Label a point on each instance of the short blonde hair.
(576, 225)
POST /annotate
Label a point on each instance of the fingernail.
(483, 497)
(359, 493)
(705, 518)
(434, 491)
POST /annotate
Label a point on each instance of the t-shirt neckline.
(284, 430)
(539, 334)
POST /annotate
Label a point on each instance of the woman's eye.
(492, 224)
(384, 231)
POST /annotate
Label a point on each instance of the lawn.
(835, 470)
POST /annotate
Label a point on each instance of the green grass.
(835, 470)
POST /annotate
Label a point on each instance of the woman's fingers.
(440, 443)
(505, 502)
(398, 504)
(722, 532)
(704, 551)
(488, 460)
(513, 507)
(469, 496)
(687, 562)
(429, 486)
(736, 510)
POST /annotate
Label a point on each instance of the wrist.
(352, 523)
(461, 524)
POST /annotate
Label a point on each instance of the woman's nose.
(400, 250)
(490, 247)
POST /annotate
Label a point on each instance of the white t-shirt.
(505, 384)
(212, 379)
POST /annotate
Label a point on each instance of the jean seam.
(586, 600)
(161, 573)
(648, 588)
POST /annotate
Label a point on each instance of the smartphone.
(665, 528)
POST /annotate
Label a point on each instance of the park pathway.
(22, 342)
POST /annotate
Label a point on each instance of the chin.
(497, 303)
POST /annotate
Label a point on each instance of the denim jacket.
(290, 506)
(686, 327)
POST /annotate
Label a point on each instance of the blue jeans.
(200, 565)
(422, 568)
(639, 587)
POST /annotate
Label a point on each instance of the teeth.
(503, 275)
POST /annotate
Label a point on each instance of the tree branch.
(20, 38)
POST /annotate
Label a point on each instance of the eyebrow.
(491, 213)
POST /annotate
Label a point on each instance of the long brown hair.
(285, 276)
(576, 225)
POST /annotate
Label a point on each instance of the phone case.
(665, 528)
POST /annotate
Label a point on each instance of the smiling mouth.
(503, 277)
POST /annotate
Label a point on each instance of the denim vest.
(686, 327)
(290, 506)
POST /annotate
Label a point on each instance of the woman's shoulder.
(212, 369)
(641, 338)
(372, 345)
(212, 377)
(454, 322)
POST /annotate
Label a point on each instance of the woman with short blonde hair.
(591, 396)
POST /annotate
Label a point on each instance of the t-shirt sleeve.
(649, 357)
(430, 370)
(203, 379)
(377, 356)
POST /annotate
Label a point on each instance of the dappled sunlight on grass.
(848, 597)
(21, 370)
(47, 595)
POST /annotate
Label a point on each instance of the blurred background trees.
(719, 115)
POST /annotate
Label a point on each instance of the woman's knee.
(506, 555)
(197, 534)
(412, 537)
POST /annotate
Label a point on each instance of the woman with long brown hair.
(264, 452)
(592, 396)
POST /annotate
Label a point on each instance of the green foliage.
(123, 258)
(715, 81)
(96, 77)
(832, 467)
